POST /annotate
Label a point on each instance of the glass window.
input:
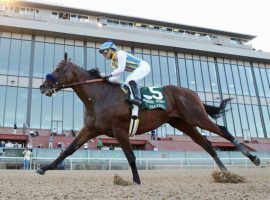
(206, 77)
(156, 70)
(68, 111)
(222, 77)
(266, 120)
(100, 63)
(230, 122)
(244, 121)
(78, 113)
(198, 76)
(10, 106)
(190, 75)
(148, 79)
(250, 81)
(2, 104)
(258, 81)
(164, 70)
(236, 78)
(21, 106)
(258, 121)
(38, 59)
(229, 77)
(46, 114)
(4, 55)
(265, 82)
(252, 126)
(48, 58)
(236, 119)
(58, 107)
(183, 73)
(213, 77)
(35, 109)
(25, 58)
(14, 60)
(79, 58)
(244, 81)
(59, 53)
(91, 58)
(172, 71)
(69, 49)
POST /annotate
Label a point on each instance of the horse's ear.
(65, 56)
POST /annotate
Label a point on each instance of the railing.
(121, 163)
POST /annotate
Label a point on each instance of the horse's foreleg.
(199, 139)
(123, 138)
(84, 136)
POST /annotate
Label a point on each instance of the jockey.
(123, 61)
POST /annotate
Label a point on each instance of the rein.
(80, 83)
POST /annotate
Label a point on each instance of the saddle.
(152, 98)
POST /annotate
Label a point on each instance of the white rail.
(143, 163)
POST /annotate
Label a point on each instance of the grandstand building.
(215, 64)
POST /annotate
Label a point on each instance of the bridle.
(56, 86)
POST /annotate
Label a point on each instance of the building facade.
(213, 63)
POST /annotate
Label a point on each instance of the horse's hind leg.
(123, 138)
(198, 138)
(207, 124)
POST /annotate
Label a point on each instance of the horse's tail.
(216, 112)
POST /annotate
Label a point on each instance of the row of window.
(203, 76)
(105, 21)
(20, 10)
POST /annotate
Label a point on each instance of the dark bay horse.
(106, 112)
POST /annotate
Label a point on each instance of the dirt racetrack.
(174, 184)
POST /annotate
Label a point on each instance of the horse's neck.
(93, 92)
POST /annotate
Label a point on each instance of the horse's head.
(61, 76)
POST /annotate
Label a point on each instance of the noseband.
(56, 86)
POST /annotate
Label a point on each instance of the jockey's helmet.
(106, 46)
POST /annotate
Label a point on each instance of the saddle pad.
(152, 98)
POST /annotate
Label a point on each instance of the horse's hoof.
(40, 171)
(137, 181)
(256, 161)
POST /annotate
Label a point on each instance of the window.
(198, 75)
(25, 58)
(4, 55)
(222, 77)
(10, 110)
(190, 74)
(259, 81)
(38, 59)
(14, 61)
(182, 73)
(2, 103)
(21, 108)
(206, 77)
(54, 15)
(68, 111)
(91, 58)
(35, 118)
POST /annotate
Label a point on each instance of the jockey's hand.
(106, 78)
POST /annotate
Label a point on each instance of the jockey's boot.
(136, 93)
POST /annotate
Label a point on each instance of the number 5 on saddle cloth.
(152, 98)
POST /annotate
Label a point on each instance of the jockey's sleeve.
(122, 59)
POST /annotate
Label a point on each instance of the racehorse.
(107, 113)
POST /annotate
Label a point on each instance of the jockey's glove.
(106, 78)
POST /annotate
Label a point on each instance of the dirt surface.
(175, 184)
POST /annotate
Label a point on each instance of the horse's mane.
(95, 72)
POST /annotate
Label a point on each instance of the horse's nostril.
(42, 88)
